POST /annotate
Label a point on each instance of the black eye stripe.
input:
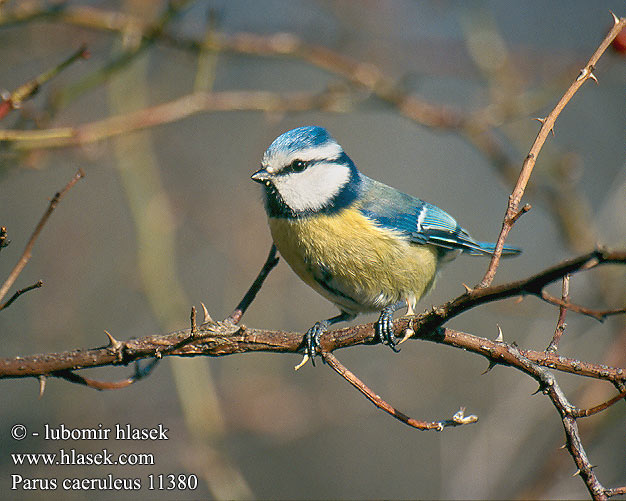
(295, 166)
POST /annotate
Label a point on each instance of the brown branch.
(140, 373)
(457, 420)
(598, 408)
(26, 255)
(224, 338)
(19, 292)
(168, 112)
(599, 315)
(242, 307)
(547, 126)
(560, 323)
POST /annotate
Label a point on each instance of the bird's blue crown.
(299, 139)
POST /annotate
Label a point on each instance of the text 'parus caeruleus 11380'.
(361, 244)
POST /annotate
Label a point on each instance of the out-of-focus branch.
(166, 113)
(547, 126)
(26, 255)
(13, 100)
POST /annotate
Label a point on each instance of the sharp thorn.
(577, 472)
(564, 446)
(540, 120)
(582, 74)
(193, 320)
(593, 77)
(207, 317)
(42, 385)
(305, 359)
(615, 18)
(492, 364)
(113, 343)
(407, 334)
(500, 338)
(467, 288)
(115, 346)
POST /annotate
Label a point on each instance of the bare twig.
(171, 111)
(560, 324)
(240, 310)
(140, 373)
(457, 420)
(14, 100)
(600, 315)
(18, 293)
(547, 125)
(26, 255)
(598, 408)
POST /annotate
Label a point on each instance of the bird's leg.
(312, 336)
(384, 325)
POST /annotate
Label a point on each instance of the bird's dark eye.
(298, 165)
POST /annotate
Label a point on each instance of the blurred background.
(433, 97)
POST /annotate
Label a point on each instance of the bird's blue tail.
(507, 250)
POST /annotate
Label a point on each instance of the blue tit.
(364, 246)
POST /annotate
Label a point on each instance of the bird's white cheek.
(314, 188)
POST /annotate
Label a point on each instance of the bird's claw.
(312, 339)
(384, 329)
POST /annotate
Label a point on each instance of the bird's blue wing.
(421, 222)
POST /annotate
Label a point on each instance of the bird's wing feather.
(421, 222)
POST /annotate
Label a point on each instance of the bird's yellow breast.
(364, 267)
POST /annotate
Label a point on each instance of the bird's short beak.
(260, 176)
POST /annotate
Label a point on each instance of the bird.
(362, 245)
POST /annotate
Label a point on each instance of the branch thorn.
(207, 317)
(467, 288)
(500, 337)
(615, 18)
(42, 385)
(194, 327)
(114, 345)
(492, 364)
(577, 472)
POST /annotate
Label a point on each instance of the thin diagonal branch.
(14, 100)
(242, 307)
(458, 419)
(560, 323)
(547, 126)
(26, 255)
(19, 292)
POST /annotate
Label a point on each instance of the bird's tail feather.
(507, 250)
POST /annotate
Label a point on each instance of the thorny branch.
(220, 338)
(547, 126)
